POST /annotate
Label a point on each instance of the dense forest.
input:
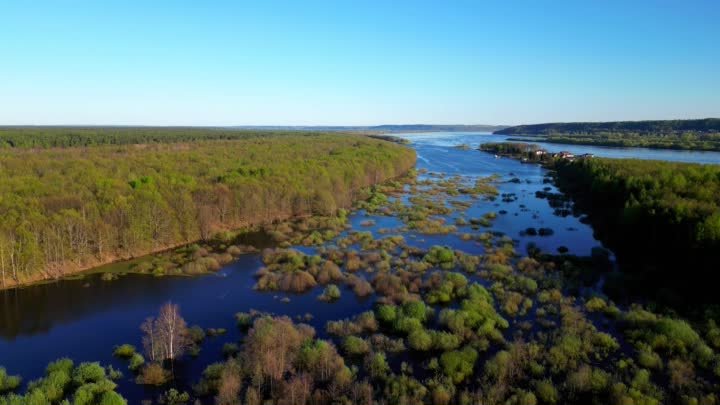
(646, 127)
(64, 137)
(53, 137)
(679, 134)
(685, 141)
(662, 219)
(64, 209)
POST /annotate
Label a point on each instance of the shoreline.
(88, 268)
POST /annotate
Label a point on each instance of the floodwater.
(84, 318)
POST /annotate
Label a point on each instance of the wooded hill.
(65, 209)
(645, 127)
(679, 134)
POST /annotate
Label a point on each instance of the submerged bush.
(124, 351)
(330, 293)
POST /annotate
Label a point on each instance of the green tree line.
(702, 134)
(682, 141)
(708, 125)
(71, 208)
(65, 137)
(661, 218)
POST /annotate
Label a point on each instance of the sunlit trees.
(73, 208)
(63, 382)
(165, 337)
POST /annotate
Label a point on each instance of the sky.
(356, 62)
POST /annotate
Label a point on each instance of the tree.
(166, 337)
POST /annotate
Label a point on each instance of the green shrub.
(420, 339)
(546, 391)
(330, 293)
(124, 351)
(355, 346)
(8, 382)
(88, 373)
(136, 361)
(458, 364)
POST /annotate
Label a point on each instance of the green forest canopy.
(659, 217)
(63, 137)
(69, 208)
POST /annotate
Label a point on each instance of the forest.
(64, 137)
(708, 125)
(68, 208)
(661, 218)
(673, 134)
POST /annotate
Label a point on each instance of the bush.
(88, 373)
(595, 304)
(330, 293)
(420, 340)
(441, 256)
(459, 364)
(546, 391)
(387, 313)
(136, 361)
(376, 365)
(124, 351)
(8, 382)
(153, 374)
(355, 346)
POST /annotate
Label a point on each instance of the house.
(565, 155)
(540, 152)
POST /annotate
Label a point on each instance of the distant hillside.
(431, 128)
(386, 128)
(635, 127)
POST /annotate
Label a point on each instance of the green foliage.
(330, 293)
(656, 216)
(174, 397)
(420, 339)
(376, 365)
(136, 361)
(88, 373)
(86, 384)
(459, 364)
(125, 200)
(124, 351)
(441, 256)
(8, 382)
(702, 134)
(355, 346)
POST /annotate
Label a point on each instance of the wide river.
(84, 318)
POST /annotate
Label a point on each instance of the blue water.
(84, 319)
(449, 139)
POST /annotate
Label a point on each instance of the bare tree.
(166, 337)
(151, 349)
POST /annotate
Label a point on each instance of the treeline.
(65, 137)
(678, 134)
(66, 209)
(644, 127)
(684, 141)
(662, 219)
(509, 148)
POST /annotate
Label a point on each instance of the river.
(84, 318)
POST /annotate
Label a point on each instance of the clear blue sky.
(357, 63)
